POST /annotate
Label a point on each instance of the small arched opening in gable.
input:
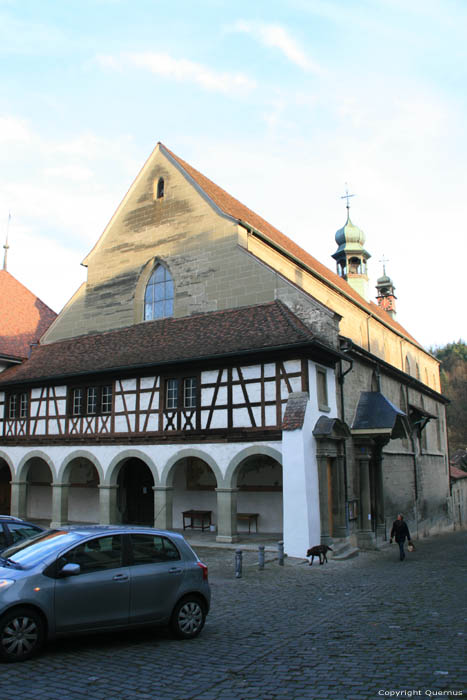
(159, 188)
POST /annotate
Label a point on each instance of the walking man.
(400, 531)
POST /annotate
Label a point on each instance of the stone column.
(227, 515)
(59, 504)
(108, 504)
(379, 492)
(340, 521)
(365, 536)
(19, 499)
(326, 535)
(163, 507)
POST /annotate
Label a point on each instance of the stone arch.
(132, 477)
(6, 476)
(230, 479)
(23, 466)
(79, 475)
(168, 470)
(9, 461)
(257, 478)
(115, 465)
(38, 472)
(191, 479)
(65, 467)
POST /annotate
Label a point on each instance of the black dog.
(319, 551)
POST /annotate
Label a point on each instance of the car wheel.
(22, 634)
(188, 618)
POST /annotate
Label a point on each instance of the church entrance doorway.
(135, 499)
(5, 488)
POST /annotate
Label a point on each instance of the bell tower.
(351, 257)
(385, 293)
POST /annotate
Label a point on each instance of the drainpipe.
(341, 379)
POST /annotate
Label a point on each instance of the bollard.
(261, 556)
(280, 553)
(238, 563)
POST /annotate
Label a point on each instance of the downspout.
(341, 382)
(415, 479)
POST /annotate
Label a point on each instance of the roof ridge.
(233, 207)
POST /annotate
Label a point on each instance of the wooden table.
(203, 516)
(251, 517)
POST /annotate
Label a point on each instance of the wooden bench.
(251, 518)
(202, 516)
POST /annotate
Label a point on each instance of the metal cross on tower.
(384, 261)
(6, 246)
(347, 197)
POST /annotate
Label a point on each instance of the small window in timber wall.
(23, 405)
(322, 389)
(189, 392)
(13, 404)
(106, 400)
(171, 399)
(77, 408)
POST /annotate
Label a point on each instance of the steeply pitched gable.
(23, 317)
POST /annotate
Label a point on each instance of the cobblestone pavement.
(365, 628)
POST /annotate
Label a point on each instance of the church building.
(212, 373)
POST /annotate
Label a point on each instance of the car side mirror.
(70, 570)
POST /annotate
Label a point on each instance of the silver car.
(98, 578)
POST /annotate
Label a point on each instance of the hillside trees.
(453, 357)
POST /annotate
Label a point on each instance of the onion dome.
(350, 237)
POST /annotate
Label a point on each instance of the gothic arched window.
(407, 365)
(159, 295)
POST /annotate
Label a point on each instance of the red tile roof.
(239, 211)
(457, 473)
(218, 333)
(294, 415)
(23, 317)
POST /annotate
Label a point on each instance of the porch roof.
(376, 415)
(219, 334)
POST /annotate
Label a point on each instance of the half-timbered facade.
(209, 364)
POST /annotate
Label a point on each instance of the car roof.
(14, 519)
(89, 530)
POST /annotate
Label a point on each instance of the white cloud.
(277, 37)
(13, 130)
(182, 70)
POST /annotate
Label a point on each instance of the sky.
(285, 104)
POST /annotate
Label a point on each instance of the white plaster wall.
(302, 527)
(190, 500)
(83, 504)
(269, 506)
(39, 502)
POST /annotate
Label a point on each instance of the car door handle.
(120, 577)
(175, 570)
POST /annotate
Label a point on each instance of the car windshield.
(31, 552)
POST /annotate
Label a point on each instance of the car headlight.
(6, 583)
